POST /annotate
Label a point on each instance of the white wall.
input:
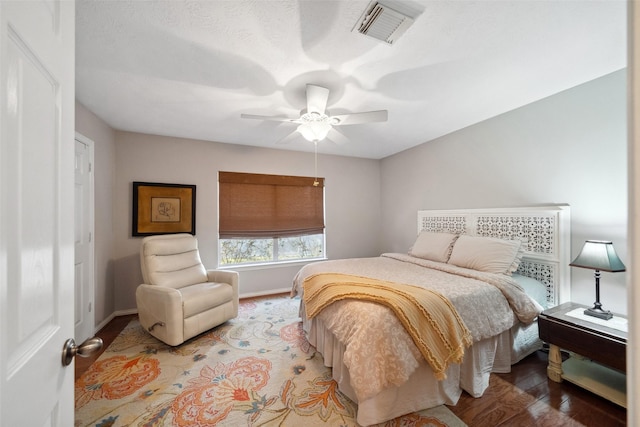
(352, 201)
(568, 148)
(89, 125)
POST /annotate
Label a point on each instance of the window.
(269, 218)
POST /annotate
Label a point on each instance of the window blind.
(256, 205)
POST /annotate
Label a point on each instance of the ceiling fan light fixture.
(315, 130)
(314, 116)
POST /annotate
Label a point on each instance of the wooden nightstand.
(599, 345)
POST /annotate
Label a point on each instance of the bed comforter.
(378, 351)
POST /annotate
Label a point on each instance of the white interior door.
(36, 211)
(84, 245)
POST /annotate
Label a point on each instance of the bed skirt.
(422, 390)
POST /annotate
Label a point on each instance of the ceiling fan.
(315, 123)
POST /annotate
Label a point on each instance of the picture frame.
(163, 208)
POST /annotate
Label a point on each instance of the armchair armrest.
(160, 304)
(230, 277)
(224, 276)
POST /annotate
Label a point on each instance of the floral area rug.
(256, 370)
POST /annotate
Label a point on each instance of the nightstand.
(599, 362)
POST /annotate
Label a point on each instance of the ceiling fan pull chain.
(315, 181)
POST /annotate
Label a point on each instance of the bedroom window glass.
(269, 218)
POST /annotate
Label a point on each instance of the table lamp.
(598, 255)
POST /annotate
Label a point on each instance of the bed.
(380, 365)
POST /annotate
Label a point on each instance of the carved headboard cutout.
(544, 230)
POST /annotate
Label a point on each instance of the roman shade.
(256, 205)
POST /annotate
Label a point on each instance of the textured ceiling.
(190, 68)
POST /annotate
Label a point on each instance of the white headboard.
(544, 230)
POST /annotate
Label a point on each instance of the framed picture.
(163, 208)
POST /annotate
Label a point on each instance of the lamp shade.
(598, 255)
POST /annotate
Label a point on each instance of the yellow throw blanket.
(429, 318)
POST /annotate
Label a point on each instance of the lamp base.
(598, 312)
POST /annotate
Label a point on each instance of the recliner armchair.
(179, 298)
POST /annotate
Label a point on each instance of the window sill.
(265, 266)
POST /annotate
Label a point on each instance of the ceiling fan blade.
(289, 138)
(271, 118)
(358, 118)
(337, 137)
(317, 98)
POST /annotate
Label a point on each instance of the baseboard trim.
(113, 316)
(265, 293)
(102, 324)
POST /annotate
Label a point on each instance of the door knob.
(86, 349)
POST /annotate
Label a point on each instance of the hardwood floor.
(522, 398)
(526, 397)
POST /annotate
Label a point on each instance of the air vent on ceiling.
(383, 23)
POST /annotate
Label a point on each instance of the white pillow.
(433, 246)
(488, 254)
